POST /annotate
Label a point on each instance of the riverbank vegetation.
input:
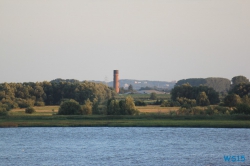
(72, 103)
(150, 120)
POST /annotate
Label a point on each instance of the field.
(156, 109)
(48, 110)
(42, 111)
(151, 116)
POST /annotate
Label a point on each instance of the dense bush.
(122, 107)
(29, 110)
(153, 96)
(39, 103)
(4, 108)
(70, 107)
(202, 99)
(86, 109)
(22, 103)
(158, 102)
(186, 103)
(165, 104)
(232, 100)
(140, 103)
(210, 110)
(242, 109)
(170, 103)
(3, 112)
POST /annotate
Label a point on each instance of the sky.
(165, 40)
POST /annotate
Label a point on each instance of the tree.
(130, 88)
(241, 89)
(4, 108)
(140, 103)
(239, 79)
(87, 108)
(184, 90)
(232, 100)
(246, 100)
(153, 96)
(95, 108)
(70, 107)
(122, 107)
(189, 92)
(185, 102)
(218, 84)
(130, 106)
(242, 109)
(202, 99)
(29, 110)
(113, 107)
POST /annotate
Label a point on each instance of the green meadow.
(46, 117)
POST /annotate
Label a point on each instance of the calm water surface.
(122, 146)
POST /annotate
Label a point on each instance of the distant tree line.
(218, 84)
(200, 95)
(23, 95)
(130, 89)
(238, 96)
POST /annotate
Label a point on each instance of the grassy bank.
(151, 120)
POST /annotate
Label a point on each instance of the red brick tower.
(116, 81)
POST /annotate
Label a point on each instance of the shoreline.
(232, 121)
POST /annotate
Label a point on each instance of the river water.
(123, 146)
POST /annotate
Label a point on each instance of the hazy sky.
(144, 39)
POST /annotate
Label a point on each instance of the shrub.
(182, 111)
(3, 112)
(242, 109)
(174, 104)
(11, 104)
(153, 96)
(140, 103)
(202, 99)
(39, 103)
(4, 108)
(221, 110)
(165, 104)
(172, 113)
(29, 110)
(122, 107)
(22, 103)
(197, 111)
(87, 108)
(232, 100)
(186, 103)
(70, 107)
(158, 102)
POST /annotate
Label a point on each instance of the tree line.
(23, 95)
(113, 107)
(218, 84)
(201, 95)
(238, 95)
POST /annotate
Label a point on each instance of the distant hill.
(137, 84)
